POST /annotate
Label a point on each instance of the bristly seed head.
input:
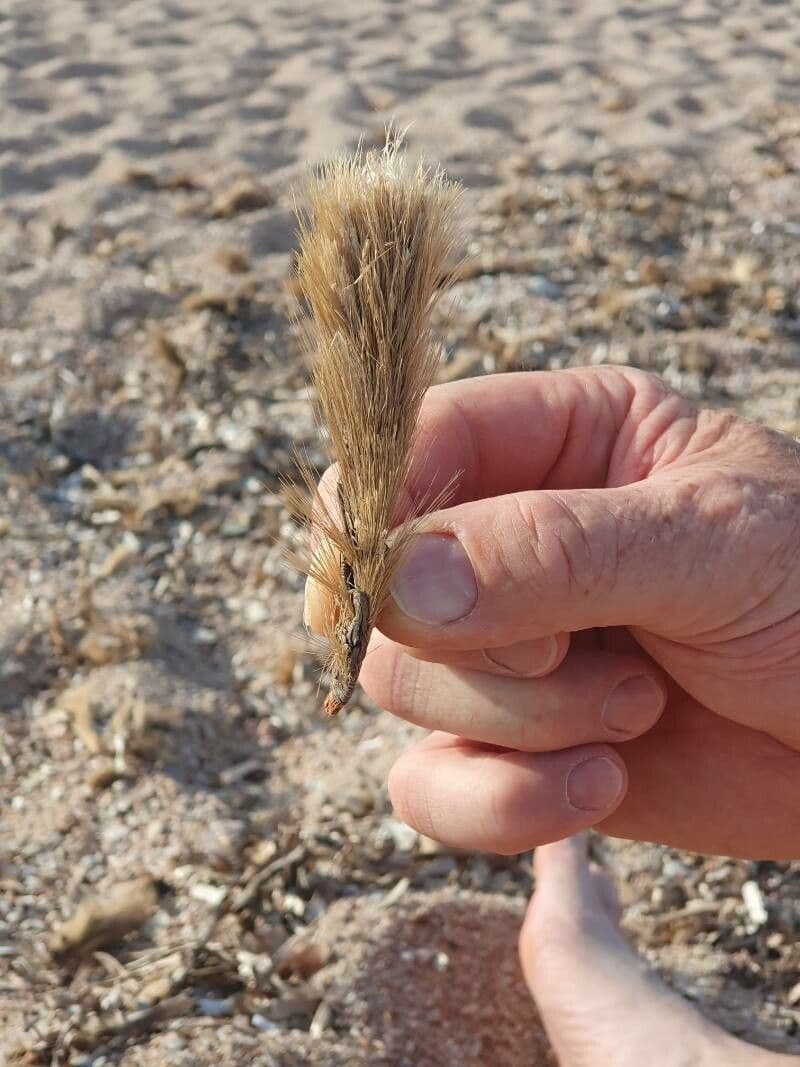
(377, 245)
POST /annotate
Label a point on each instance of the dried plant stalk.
(377, 242)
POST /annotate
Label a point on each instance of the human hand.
(602, 531)
(596, 997)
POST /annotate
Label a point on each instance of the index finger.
(529, 430)
(501, 434)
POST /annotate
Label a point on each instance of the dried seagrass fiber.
(378, 239)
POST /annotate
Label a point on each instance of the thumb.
(504, 569)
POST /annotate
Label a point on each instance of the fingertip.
(526, 814)
(560, 869)
(412, 779)
(634, 705)
(477, 797)
(534, 658)
(410, 793)
(315, 600)
(396, 786)
(569, 853)
(596, 784)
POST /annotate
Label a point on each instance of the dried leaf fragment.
(232, 260)
(207, 300)
(243, 195)
(300, 956)
(114, 637)
(165, 352)
(78, 701)
(104, 920)
(117, 557)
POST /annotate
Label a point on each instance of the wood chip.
(232, 260)
(77, 701)
(617, 99)
(118, 557)
(250, 769)
(143, 178)
(321, 1020)
(708, 284)
(212, 895)
(155, 990)
(248, 893)
(207, 300)
(103, 773)
(754, 904)
(300, 956)
(105, 919)
(489, 265)
(165, 351)
(243, 195)
(290, 1007)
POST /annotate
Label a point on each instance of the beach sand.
(632, 182)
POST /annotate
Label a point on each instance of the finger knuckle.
(408, 690)
(512, 550)
(645, 383)
(563, 557)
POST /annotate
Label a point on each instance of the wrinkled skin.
(603, 529)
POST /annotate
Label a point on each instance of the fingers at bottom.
(475, 796)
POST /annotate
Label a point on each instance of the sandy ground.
(632, 190)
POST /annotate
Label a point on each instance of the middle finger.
(593, 696)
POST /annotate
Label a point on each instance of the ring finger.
(516, 800)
